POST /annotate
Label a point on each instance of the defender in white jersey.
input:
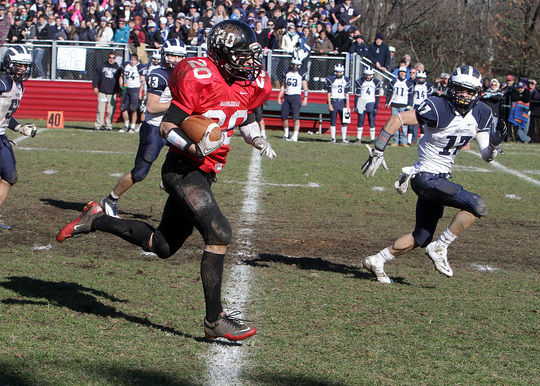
(292, 84)
(338, 87)
(451, 122)
(16, 67)
(151, 142)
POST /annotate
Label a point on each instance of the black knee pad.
(478, 205)
(220, 232)
(160, 246)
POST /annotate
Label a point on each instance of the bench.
(316, 112)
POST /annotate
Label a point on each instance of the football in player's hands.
(195, 126)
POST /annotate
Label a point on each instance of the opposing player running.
(16, 67)
(227, 87)
(150, 140)
(451, 122)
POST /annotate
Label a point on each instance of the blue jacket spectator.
(358, 46)
(121, 35)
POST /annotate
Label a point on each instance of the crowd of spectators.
(325, 26)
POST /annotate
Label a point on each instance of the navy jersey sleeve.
(329, 82)
(427, 112)
(347, 85)
(5, 83)
(483, 115)
(156, 82)
(304, 75)
(141, 69)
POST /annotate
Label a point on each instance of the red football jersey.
(197, 87)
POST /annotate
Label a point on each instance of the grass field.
(96, 310)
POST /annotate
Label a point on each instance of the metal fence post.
(53, 60)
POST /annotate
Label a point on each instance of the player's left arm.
(251, 132)
(306, 91)
(489, 137)
(28, 129)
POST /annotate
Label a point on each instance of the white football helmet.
(17, 62)
(464, 78)
(339, 68)
(172, 47)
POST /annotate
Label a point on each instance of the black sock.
(211, 274)
(134, 231)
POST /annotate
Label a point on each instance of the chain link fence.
(77, 60)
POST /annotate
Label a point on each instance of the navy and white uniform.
(420, 93)
(11, 93)
(367, 99)
(293, 90)
(338, 88)
(132, 81)
(446, 132)
(400, 95)
(151, 142)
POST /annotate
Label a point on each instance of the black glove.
(497, 134)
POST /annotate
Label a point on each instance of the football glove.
(497, 134)
(28, 129)
(264, 146)
(207, 146)
(376, 159)
(402, 184)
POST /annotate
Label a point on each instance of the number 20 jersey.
(11, 93)
(446, 132)
(197, 87)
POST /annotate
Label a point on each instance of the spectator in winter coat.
(358, 46)
(493, 98)
(322, 44)
(379, 53)
(88, 33)
(121, 35)
(58, 31)
(290, 39)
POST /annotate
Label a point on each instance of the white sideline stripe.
(224, 363)
(508, 170)
(308, 185)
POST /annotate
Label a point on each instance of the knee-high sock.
(211, 275)
(133, 231)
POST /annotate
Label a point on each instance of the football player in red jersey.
(227, 86)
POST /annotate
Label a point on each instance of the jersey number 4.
(452, 139)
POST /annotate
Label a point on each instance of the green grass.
(94, 310)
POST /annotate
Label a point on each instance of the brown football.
(195, 126)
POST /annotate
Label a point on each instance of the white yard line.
(308, 185)
(225, 363)
(499, 166)
(72, 150)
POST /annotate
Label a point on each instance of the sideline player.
(16, 67)
(226, 86)
(292, 84)
(150, 142)
(132, 86)
(338, 87)
(367, 90)
(399, 96)
(451, 122)
(422, 90)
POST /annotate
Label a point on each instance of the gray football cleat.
(375, 265)
(437, 252)
(229, 327)
(110, 206)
